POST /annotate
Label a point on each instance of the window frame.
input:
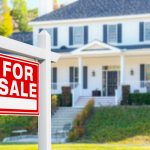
(76, 35)
(108, 33)
(52, 36)
(145, 31)
(145, 74)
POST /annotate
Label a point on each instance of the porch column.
(80, 66)
(122, 69)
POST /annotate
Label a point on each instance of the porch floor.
(99, 101)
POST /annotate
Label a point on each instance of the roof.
(25, 37)
(97, 8)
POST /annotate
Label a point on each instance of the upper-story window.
(78, 35)
(147, 31)
(54, 35)
(51, 32)
(112, 33)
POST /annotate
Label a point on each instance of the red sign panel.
(19, 86)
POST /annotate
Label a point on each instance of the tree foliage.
(6, 24)
(20, 14)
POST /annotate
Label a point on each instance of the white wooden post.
(80, 65)
(44, 120)
(122, 69)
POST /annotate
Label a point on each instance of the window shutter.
(71, 36)
(85, 77)
(119, 33)
(142, 74)
(85, 34)
(40, 30)
(105, 33)
(71, 74)
(141, 32)
(55, 36)
(54, 71)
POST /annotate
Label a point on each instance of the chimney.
(45, 6)
(56, 4)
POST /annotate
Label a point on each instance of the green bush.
(60, 100)
(80, 120)
(54, 103)
(139, 99)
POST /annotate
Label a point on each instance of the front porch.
(86, 72)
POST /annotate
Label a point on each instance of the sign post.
(26, 72)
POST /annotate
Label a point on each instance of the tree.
(6, 24)
(20, 14)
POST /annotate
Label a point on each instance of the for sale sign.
(19, 85)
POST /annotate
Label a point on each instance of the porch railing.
(56, 88)
(139, 86)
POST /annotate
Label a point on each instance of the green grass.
(117, 124)
(76, 147)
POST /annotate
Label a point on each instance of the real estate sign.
(19, 86)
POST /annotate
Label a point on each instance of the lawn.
(76, 147)
(118, 124)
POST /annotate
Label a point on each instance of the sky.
(34, 3)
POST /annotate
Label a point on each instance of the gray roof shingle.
(98, 8)
(25, 37)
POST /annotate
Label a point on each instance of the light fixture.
(93, 73)
(132, 72)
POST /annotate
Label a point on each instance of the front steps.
(61, 123)
(99, 101)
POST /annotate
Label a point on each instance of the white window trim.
(116, 33)
(82, 35)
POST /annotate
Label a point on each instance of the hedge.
(139, 99)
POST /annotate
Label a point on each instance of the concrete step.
(63, 116)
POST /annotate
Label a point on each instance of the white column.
(80, 66)
(122, 70)
(44, 120)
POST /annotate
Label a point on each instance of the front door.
(111, 82)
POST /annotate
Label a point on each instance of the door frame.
(105, 70)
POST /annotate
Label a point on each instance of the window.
(147, 31)
(51, 32)
(74, 76)
(112, 33)
(78, 35)
(147, 72)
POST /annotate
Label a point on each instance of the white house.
(104, 44)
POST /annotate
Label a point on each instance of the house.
(104, 44)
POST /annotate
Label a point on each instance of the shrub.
(54, 103)
(80, 120)
(139, 99)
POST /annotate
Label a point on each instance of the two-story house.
(104, 44)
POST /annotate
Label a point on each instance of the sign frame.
(42, 53)
(4, 111)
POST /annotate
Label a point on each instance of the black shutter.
(141, 32)
(71, 36)
(54, 71)
(105, 33)
(55, 31)
(85, 77)
(142, 74)
(85, 34)
(119, 33)
(71, 74)
(40, 30)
